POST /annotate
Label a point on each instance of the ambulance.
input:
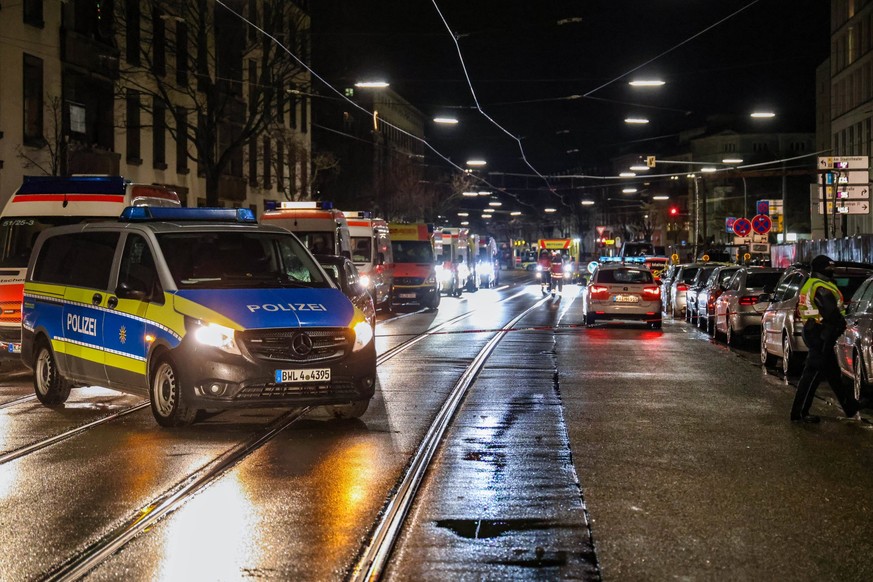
(45, 201)
(197, 309)
(569, 249)
(323, 229)
(487, 262)
(414, 281)
(453, 266)
(371, 253)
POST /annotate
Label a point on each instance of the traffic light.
(674, 211)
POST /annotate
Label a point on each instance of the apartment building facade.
(209, 99)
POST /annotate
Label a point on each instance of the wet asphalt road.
(611, 452)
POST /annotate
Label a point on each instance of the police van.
(198, 308)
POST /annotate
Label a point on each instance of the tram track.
(24, 450)
(375, 554)
(98, 552)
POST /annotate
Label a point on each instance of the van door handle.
(96, 299)
(112, 302)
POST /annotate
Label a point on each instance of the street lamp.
(636, 120)
(476, 163)
(646, 83)
(588, 203)
(445, 120)
(371, 84)
(763, 114)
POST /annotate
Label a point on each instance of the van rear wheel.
(51, 388)
(165, 394)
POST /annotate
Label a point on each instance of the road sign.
(760, 248)
(847, 177)
(843, 163)
(762, 224)
(775, 206)
(762, 206)
(742, 226)
(759, 238)
(729, 224)
(650, 161)
(844, 192)
(846, 207)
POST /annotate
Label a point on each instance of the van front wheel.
(165, 394)
(51, 388)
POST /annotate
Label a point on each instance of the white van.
(320, 227)
(371, 253)
(45, 201)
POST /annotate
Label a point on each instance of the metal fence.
(853, 248)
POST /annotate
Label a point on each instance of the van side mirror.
(132, 288)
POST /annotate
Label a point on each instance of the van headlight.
(363, 335)
(431, 280)
(568, 269)
(216, 336)
(365, 281)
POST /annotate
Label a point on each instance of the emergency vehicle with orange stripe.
(371, 253)
(42, 202)
(415, 282)
(323, 229)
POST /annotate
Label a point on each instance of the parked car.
(345, 274)
(781, 325)
(706, 297)
(738, 310)
(666, 286)
(681, 281)
(621, 291)
(855, 347)
(697, 284)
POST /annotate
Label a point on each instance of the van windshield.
(224, 260)
(319, 243)
(412, 251)
(361, 251)
(18, 233)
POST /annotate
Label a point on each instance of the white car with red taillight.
(622, 292)
(739, 308)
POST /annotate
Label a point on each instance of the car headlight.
(431, 280)
(539, 268)
(568, 269)
(216, 336)
(363, 335)
(365, 281)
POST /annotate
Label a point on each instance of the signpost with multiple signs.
(844, 188)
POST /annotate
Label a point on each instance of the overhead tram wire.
(482, 111)
(342, 96)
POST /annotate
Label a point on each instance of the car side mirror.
(132, 288)
(764, 298)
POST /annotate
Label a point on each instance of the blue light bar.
(72, 185)
(156, 213)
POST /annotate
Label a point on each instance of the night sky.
(526, 61)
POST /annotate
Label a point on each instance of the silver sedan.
(855, 347)
(739, 309)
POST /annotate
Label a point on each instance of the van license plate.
(307, 375)
(406, 295)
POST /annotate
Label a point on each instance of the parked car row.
(759, 305)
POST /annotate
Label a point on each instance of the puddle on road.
(478, 529)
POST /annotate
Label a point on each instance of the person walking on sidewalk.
(821, 308)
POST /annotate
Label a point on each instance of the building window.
(268, 161)
(253, 162)
(159, 39)
(132, 38)
(182, 53)
(181, 140)
(133, 128)
(32, 12)
(159, 135)
(760, 146)
(280, 166)
(33, 101)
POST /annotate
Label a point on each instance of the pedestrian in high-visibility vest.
(820, 305)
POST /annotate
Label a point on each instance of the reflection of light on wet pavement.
(8, 471)
(213, 536)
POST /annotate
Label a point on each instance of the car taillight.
(681, 287)
(599, 292)
(651, 293)
(748, 300)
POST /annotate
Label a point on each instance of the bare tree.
(47, 159)
(198, 69)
